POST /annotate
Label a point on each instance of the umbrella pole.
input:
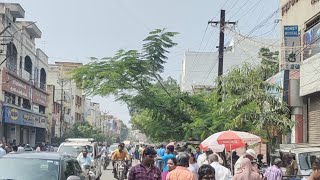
(231, 164)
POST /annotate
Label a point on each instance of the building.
(66, 91)
(93, 113)
(200, 69)
(300, 23)
(53, 112)
(23, 78)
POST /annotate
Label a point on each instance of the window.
(19, 101)
(68, 168)
(9, 98)
(42, 109)
(77, 168)
(26, 104)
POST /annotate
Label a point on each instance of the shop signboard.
(291, 55)
(39, 97)
(15, 85)
(20, 117)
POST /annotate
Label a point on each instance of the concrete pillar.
(297, 130)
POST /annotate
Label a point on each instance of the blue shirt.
(165, 158)
(161, 152)
(196, 155)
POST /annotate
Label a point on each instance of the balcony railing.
(12, 67)
(43, 86)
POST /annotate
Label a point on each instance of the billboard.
(311, 42)
(290, 55)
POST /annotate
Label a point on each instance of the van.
(304, 154)
(74, 146)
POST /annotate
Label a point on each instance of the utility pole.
(62, 83)
(221, 47)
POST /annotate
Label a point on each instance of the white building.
(200, 69)
(23, 78)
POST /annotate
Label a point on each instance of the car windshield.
(29, 169)
(306, 160)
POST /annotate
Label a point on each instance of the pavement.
(108, 175)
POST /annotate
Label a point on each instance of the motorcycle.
(89, 174)
(105, 159)
(120, 169)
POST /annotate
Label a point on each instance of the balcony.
(15, 10)
(26, 75)
(12, 67)
(43, 86)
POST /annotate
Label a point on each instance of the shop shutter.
(314, 119)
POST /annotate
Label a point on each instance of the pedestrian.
(172, 164)
(38, 149)
(198, 153)
(250, 154)
(14, 149)
(181, 172)
(315, 174)
(206, 172)
(247, 171)
(292, 166)
(203, 158)
(234, 157)
(221, 172)
(20, 148)
(146, 169)
(193, 166)
(274, 172)
(2, 151)
(166, 157)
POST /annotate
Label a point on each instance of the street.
(107, 174)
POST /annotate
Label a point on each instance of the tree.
(270, 117)
(134, 78)
(85, 130)
(269, 62)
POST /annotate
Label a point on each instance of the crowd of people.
(171, 163)
(13, 148)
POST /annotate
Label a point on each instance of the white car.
(74, 147)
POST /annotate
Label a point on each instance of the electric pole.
(221, 47)
(62, 83)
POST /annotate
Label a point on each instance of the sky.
(74, 30)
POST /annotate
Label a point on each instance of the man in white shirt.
(222, 173)
(250, 154)
(2, 151)
(85, 159)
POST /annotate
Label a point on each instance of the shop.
(23, 126)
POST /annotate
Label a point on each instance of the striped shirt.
(273, 173)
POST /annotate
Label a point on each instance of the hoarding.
(311, 42)
(291, 51)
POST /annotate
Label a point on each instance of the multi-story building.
(301, 28)
(200, 69)
(66, 91)
(53, 112)
(92, 113)
(23, 78)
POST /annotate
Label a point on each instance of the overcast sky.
(73, 30)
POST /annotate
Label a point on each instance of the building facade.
(304, 15)
(66, 92)
(23, 79)
(200, 69)
(53, 112)
(92, 113)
